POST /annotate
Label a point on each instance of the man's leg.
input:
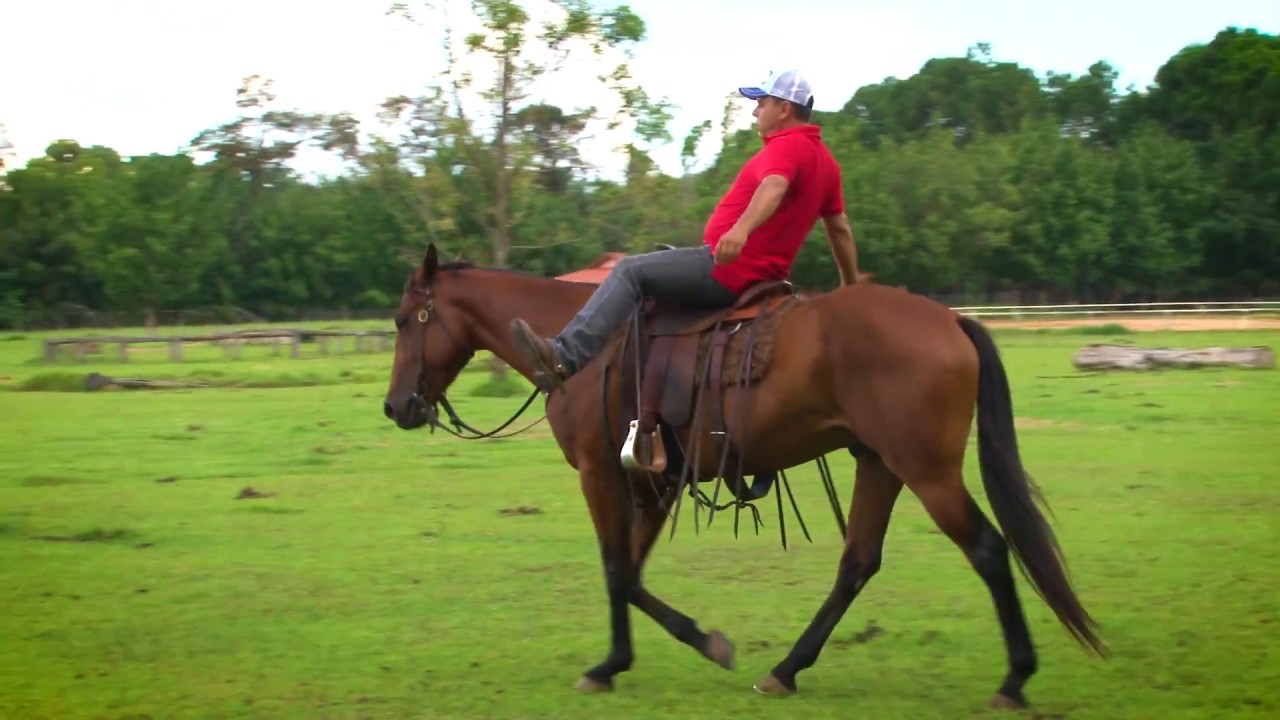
(681, 276)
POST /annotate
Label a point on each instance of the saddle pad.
(731, 369)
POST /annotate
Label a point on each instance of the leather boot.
(548, 372)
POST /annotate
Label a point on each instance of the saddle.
(681, 353)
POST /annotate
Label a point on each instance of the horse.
(890, 376)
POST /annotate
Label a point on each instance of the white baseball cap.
(785, 84)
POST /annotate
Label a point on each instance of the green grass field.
(387, 574)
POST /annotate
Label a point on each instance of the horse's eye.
(401, 322)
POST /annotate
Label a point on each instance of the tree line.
(973, 179)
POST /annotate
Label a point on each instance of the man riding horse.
(894, 378)
(753, 235)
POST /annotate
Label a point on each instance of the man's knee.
(629, 268)
(640, 271)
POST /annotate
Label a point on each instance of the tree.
(1225, 96)
(969, 178)
(249, 169)
(966, 95)
(503, 60)
(1084, 105)
(549, 133)
(1228, 86)
(6, 150)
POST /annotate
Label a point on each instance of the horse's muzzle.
(413, 413)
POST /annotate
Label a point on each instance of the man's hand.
(730, 245)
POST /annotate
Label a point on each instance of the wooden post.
(295, 347)
(124, 351)
(324, 344)
(175, 349)
(50, 351)
(80, 352)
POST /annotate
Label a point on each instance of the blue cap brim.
(754, 93)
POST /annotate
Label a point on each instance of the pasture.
(273, 547)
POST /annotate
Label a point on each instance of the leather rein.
(459, 425)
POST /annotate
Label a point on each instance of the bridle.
(433, 418)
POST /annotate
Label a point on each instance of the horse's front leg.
(610, 507)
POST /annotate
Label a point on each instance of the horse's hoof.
(1001, 701)
(719, 649)
(770, 685)
(590, 685)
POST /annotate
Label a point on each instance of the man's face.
(769, 114)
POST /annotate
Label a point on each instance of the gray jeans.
(681, 276)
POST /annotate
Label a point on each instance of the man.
(753, 235)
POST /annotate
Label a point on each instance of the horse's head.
(432, 347)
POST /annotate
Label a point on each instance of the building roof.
(596, 272)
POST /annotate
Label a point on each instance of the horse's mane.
(459, 265)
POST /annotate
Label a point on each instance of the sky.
(146, 76)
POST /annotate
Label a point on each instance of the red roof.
(597, 271)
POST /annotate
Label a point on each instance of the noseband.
(459, 425)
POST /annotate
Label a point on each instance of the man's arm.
(764, 201)
(840, 237)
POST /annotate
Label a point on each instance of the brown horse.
(891, 376)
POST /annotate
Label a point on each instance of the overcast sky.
(147, 75)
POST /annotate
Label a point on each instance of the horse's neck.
(547, 305)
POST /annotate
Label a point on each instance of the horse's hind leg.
(874, 493)
(646, 524)
(957, 514)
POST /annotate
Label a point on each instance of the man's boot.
(548, 372)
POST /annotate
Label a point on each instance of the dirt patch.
(95, 535)
(517, 511)
(250, 493)
(1024, 422)
(862, 637)
(1145, 323)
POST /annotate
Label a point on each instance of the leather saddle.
(670, 340)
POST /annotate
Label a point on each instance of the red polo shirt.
(813, 191)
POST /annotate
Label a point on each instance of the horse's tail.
(1011, 490)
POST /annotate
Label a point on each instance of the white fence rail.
(1248, 307)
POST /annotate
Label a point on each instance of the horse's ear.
(430, 263)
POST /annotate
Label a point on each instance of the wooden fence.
(232, 343)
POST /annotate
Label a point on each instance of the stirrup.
(643, 451)
(548, 382)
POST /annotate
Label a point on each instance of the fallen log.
(96, 381)
(1124, 357)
